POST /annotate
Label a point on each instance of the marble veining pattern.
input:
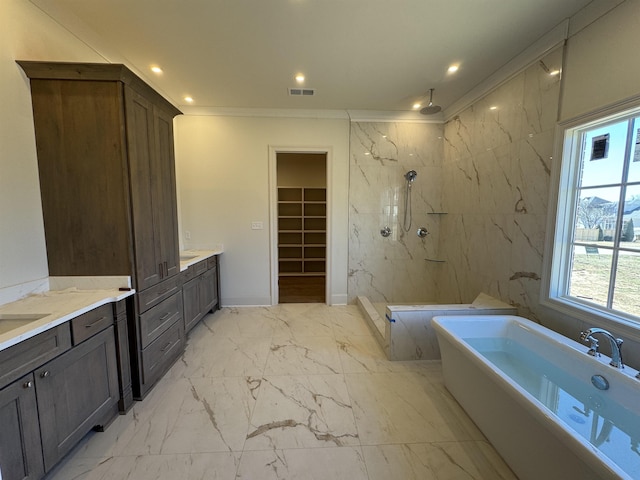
(312, 396)
(496, 174)
(488, 168)
(393, 268)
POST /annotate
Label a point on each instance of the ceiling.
(380, 55)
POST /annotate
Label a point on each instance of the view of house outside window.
(605, 245)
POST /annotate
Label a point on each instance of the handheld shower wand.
(410, 176)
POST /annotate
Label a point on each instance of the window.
(595, 245)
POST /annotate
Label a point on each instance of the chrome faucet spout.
(616, 345)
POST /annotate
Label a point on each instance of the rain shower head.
(411, 175)
(431, 108)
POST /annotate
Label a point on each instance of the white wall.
(27, 34)
(601, 65)
(222, 165)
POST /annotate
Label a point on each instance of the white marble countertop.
(55, 308)
(56, 300)
(191, 257)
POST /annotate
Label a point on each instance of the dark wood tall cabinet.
(107, 178)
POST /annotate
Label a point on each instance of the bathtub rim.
(578, 445)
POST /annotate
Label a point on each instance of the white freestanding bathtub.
(533, 393)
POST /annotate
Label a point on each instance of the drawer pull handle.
(93, 324)
(165, 316)
(164, 349)
(163, 292)
(28, 384)
(45, 374)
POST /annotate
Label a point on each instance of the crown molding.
(393, 116)
(351, 115)
(263, 112)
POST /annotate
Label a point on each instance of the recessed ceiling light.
(300, 78)
(493, 108)
(188, 99)
(554, 72)
(453, 68)
(156, 69)
(416, 106)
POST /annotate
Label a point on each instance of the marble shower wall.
(394, 269)
(496, 174)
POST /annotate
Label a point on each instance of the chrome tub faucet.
(616, 345)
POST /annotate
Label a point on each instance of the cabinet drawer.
(25, 356)
(152, 296)
(212, 261)
(194, 270)
(90, 323)
(199, 267)
(158, 319)
(157, 357)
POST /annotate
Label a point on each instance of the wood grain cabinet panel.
(23, 357)
(107, 176)
(20, 449)
(200, 292)
(78, 391)
(191, 300)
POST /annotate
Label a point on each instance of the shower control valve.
(385, 232)
(422, 232)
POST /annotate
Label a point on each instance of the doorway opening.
(302, 227)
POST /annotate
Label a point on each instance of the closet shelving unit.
(302, 231)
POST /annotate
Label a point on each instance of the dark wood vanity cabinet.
(200, 291)
(107, 178)
(57, 386)
(77, 392)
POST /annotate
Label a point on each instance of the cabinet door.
(76, 392)
(20, 450)
(208, 290)
(164, 194)
(191, 302)
(141, 146)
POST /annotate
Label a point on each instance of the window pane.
(603, 156)
(596, 215)
(625, 296)
(634, 166)
(631, 219)
(590, 273)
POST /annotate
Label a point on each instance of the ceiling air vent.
(302, 92)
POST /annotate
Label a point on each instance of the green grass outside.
(590, 280)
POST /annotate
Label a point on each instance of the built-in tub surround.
(405, 332)
(394, 268)
(551, 410)
(60, 300)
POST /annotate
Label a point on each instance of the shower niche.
(302, 227)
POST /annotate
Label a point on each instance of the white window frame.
(557, 257)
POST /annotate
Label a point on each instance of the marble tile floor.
(295, 391)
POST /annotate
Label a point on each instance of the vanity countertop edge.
(55, 308)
